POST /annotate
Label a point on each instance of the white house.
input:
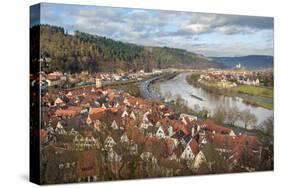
(69, 94)
(144, 125)
(199, 159)
(133, 148)
(158, 124)
(160, 133)
(125, 114)
(73, 132)
(113, 156)
(189, 117)
(59, 129)
(170, 131)
(124, 138)
(190, 150)
(114, 125)
(146, 156)
(127, 102)
(109, 142)
(103, 106)
(116, 105)
(133, 116)
(232, 133)
(58, 101)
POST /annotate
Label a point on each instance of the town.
(98, 133)
(231, 78)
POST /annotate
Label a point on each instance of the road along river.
(199, 97)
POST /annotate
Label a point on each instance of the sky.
(203, 33)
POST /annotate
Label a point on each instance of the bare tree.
(220, 115)
(268, 126)
(168, 95)
(232, 115)
(248, 118)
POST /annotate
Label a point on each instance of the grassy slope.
(258, 91)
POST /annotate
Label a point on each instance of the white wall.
(14, 91)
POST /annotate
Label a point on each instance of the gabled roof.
(211, 126)
(194, 146)
(71, 111)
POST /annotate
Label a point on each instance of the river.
(193, 96)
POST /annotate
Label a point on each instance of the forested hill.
(82, 51)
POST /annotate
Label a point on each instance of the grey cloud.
(226, 24)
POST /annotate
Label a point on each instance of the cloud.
(225, 24)
(190, 31)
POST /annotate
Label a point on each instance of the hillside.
(82, 51)
(248, 62)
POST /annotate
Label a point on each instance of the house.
(191, 118)
(148, 156)
(124, 114)
(133, 148)
(162, 132)
(112, 156)
(109, 142)
(126, 102)
(69, 94)
(124, 138)
(232, 133)
(199, 160)
(73, 132)
(114, 125)
(190, 151)
(59, 129)
(145, 119)
(144, 125)
(133, 116)
(170, 131)
(89, 120)
(174, 157)
(53, 80)
(90, 142)
(202, 140)
(58, 101)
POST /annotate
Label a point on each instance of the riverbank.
(252, 95)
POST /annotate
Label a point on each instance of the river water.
(179, 86)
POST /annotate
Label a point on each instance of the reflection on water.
(179, 86)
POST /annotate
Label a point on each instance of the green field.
(259, 103)
(265, 92)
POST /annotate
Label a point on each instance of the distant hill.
(81, 51)
(248, 62)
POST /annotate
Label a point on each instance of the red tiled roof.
(66, 112)
(211, 126)
(96, 111)
(194, 146)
